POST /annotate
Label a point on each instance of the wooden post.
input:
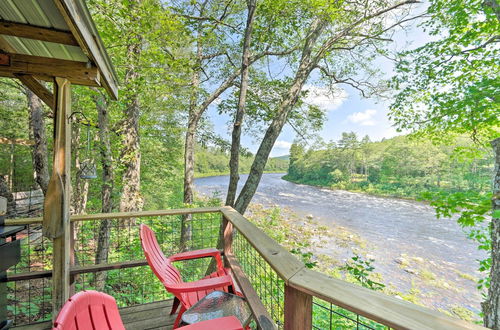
(298, 309)
(62, 162)
(228, 236)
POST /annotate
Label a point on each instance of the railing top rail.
(283, 262)
(118, 215)
(393, 312)
(371, 304)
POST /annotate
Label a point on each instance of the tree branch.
(210, 19)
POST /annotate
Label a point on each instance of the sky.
(348, 111)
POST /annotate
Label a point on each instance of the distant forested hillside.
(400, 166)
(212, 161)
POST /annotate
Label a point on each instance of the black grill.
(10, 253)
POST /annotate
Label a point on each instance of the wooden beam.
(227, 235)
(36, 87)
(76, 72)
(22, 142)
(29, 276)
(62, 162)
(77, 17)
(5, 46)
(118, 215)
(107, 267)
(374, 305)
(77, 270)
(283, 262)
(298, 309)
(260, 313)
(37, 33)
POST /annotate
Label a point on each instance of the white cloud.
(364, 118)
(282, 145)
(281, 148)
(324, 98)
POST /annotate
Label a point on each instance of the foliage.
(378, 168)
(453, 178)
(449, 86)
(211, 161)
(361, 270)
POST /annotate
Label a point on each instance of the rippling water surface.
(391, 226)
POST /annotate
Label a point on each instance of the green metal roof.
(46, 13)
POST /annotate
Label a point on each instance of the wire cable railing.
(280, 290)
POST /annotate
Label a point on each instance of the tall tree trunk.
(491, 307)
(5, 192)
(39, 135)
(307, 64)
(194, 118)
(102, 250)
(12, 149)
(189, 146)
(131, 199)
(79, 193)
(240, 112)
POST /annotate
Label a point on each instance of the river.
(413, 250)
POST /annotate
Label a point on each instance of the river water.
(404, 237)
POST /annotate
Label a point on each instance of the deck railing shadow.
(281, 291)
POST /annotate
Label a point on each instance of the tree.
(335, 35)
(240, 111)
(211, 56)
(131, 199)
(449, 86)
(39, 136)
(211, 23)
(102, 249)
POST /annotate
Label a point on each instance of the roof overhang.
(44, 39)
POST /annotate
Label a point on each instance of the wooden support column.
(62, 162)
(298, 309)
(227, 236)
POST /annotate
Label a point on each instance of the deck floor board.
(150, 316)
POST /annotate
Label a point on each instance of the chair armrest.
(209, 283)
(204, 253)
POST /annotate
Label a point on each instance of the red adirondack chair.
(89, 310)
(187, 293)
(92, 310)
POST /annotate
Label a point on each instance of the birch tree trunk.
(80, 190)
(491, 307)
(189, 144)
(102, 250)
(39, 135)
(5, 192)
(240, 112)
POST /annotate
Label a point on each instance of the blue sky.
(346, 112)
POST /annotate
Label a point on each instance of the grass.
(466, 276)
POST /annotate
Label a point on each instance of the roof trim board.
(37, 33)
(61, 30)
(78, 18)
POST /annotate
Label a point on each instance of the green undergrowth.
(305, 237)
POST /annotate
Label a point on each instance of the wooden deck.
(140, 317)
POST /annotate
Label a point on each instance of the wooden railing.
(296, 287)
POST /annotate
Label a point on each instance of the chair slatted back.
(88, 310)
(161, 265)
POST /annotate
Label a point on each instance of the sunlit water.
(391, 226)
